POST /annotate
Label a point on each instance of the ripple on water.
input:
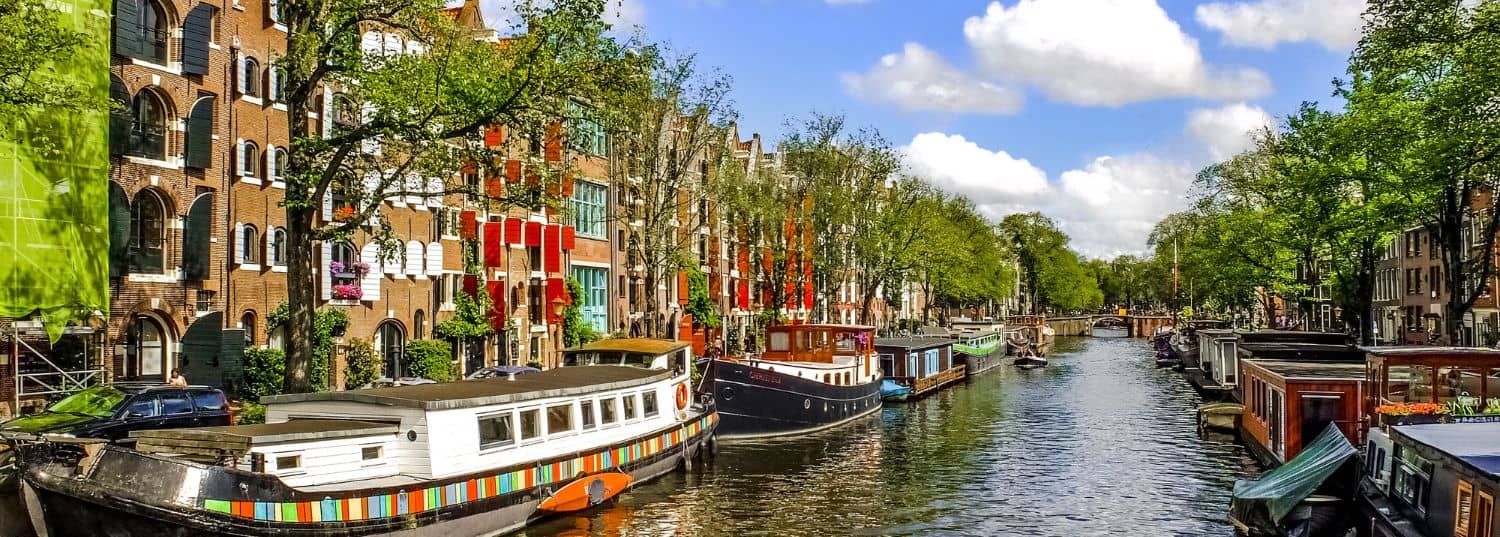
(1100, 443)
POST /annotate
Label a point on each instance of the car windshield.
(99, 401)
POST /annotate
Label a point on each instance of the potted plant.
(1410, 413)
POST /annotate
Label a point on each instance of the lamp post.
(558, 305)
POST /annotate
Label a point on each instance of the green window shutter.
(200, 133)
(119, 118)
(127, 38)
(196, 238)
(195, 35)
(199, 360)
(119, 230)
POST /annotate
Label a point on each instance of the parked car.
(111, 412)
(387, 382)
(500, 371)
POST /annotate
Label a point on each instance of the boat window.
(629, 403)
(1409, 384)
(496, 430)
(559, 419)
(144, 407)
(531, 424)
(369, 453)
(780, 341)
(175, 403)
(586, 411)
(1484, 515)
(289, 462)
(845, 342)
(1463, 515)
(1412, 478)
(607, 412)
(648, 403)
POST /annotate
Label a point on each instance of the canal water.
(1099, 443)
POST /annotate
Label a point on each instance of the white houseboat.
(476, 457)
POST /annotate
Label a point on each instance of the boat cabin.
(1436, 480)
(922, 364)
(635, 352)
(301, 452)
(1218, 356)
(1466, 379)
(1288, 403)
(838, 346)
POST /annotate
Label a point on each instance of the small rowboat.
(1031, 362)
(586, 492)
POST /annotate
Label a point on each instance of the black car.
(111, 412)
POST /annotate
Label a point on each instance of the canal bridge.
(1083, 325)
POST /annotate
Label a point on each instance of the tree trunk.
(301, 300)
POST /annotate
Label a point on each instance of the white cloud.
(918, 79)
(1227, 130)
(956, 164)
(1102, 52)
(1262, 24)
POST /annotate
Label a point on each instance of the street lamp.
(558, 305)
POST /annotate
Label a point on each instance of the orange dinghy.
(586, 492)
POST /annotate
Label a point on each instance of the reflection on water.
(1099, 443)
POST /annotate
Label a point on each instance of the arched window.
(418, 328)
(276, 251)
(392, 344)
(345, 113)
(344, 257)
(148, 129)
(249, 245)
(247, 322)
(148, 233)
(154, 31)
(249, 159)
(278, 163)
(146, 355)
(250, 77)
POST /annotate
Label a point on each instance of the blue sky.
(1096, 112)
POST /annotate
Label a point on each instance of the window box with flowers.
(1410, 413)
(343, 214)
(346, 289)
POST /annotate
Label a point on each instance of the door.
(1277, 424)
(1316, 411)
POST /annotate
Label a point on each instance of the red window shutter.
(554, 143)
(569, 238)
(533, 234)
(807, 294)
(744, 294)
(496, 289)
(469, 225)
(555, 290)
(682, 287)
(513, 230)
(533, 179)
(494, 187)
(494, 248)
(513, 171)
(744, 261)
(471, 284)
(494, 135)
(552, 248)
(567, 184)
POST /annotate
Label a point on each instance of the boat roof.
(1217, 332)
(632, 344)
(912, 342)
(557, 382)
(1313, 370)
(1477, 352)
(793, 327)
(271, 433)
(1477, 444)
(1302, 351)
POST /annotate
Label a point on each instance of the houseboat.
(980, 346)
(1288, 403)
(1213, 368)
(1312, 495)
(809, 377)
(475, 457)
(924, 365)
(1434, 480)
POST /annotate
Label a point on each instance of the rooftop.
(1477, 444)
(912, 342)
(1313, 370)
(559, 382)
(272, 433)
(633, 344)
(1403, 351)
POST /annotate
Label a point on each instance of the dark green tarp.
(1277, 492)
(54, 189)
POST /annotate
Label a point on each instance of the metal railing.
(34, 384)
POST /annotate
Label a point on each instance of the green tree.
(362, 365)
(328, 323)
(575, 330)
(700, 306)
(1433, 83)
(1054, 274)
(398, 118)
(430, 359)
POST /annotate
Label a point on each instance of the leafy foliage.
(36, 39)
(700, 305)
(575, 330)
(430, 359)
(362, 365)
(470, 318)
(328, 323)
(265, 371)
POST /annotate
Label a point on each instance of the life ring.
(682, 396)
